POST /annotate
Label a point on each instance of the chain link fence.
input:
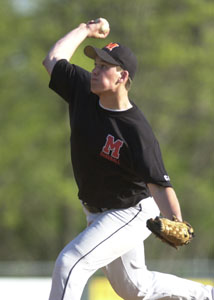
(36, 276)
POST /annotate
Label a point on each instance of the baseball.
(104, 25)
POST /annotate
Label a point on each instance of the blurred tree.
(174, 43)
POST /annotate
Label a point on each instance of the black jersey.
(114, 153)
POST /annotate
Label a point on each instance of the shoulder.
(68, 79)
(63, 67)
(142, 129)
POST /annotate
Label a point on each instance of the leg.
(128, 274)
(131, 279)
(112, 234)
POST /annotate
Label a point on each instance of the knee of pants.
(62, 267)
(130, 293)
(129, 288)
(132, 286)
(66, 262)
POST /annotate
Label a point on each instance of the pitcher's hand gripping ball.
(99, 28)
(172, 232)
(104, 25)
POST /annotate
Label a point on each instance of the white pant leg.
(112, 234)
(131, 280)
(128, 274)
(113, 240)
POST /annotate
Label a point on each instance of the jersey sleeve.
(68, 79)
(150, 165)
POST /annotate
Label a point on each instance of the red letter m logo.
(113, 146)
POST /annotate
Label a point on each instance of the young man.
(119, 172)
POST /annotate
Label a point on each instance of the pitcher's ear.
(124, 76)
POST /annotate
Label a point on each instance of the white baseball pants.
(114, 241)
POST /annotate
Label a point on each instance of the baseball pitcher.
(122, 182)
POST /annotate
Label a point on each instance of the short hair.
(128, 84)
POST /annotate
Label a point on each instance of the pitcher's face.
(104, 77)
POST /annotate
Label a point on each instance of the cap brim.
(93, 52)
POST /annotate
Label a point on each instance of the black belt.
(93, 209)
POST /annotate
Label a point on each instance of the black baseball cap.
(116, 54)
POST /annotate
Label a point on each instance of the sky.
(24, 6)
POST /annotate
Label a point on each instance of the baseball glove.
(172, 232)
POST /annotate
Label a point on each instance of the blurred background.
(39, 209)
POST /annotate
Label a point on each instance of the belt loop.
(93, 209)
